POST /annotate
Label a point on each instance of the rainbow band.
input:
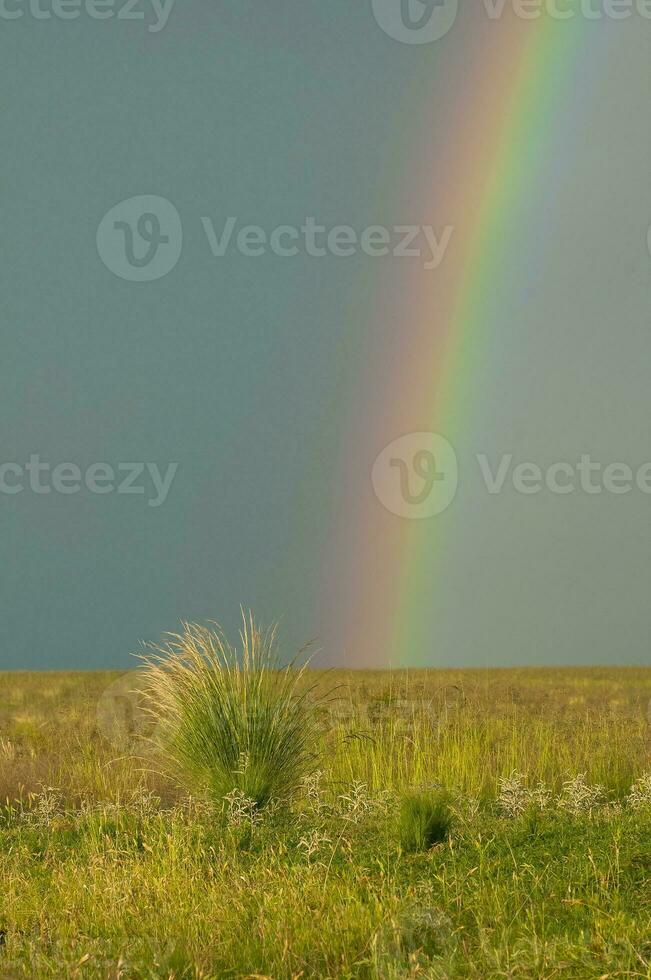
(487, 183)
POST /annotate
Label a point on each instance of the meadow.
(536, 864)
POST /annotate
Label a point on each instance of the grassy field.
(108, 868)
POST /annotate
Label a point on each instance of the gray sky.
(236, 367)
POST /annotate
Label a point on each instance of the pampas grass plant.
(231, 721)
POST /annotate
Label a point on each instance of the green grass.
(108, 868)
(425, 820)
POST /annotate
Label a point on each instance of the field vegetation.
(443, 824)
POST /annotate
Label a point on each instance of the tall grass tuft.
(231, 721)
(425, 820)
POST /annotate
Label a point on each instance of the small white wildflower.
(540, 796)
(46, 805)
(640, 794)
(240, 809)
(513, 797)
(312, 791)
(579, 797)
(356, 803)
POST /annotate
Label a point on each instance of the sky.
(221, 405)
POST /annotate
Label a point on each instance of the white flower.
(640, 795)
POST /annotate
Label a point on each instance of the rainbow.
(431, 333)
